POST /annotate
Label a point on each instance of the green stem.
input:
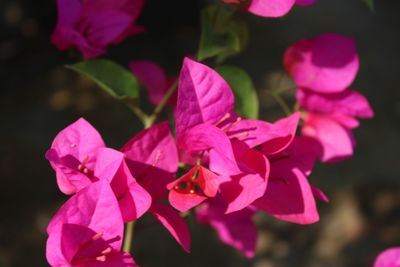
(143, 117)
(281, 103)
(148, 121)
(128, 236)
(161, 105)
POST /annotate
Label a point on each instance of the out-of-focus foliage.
(246, 99)
(111, 77)
(223, 34)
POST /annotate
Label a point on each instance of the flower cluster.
(230, 167)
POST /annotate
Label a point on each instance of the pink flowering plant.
(214, 160)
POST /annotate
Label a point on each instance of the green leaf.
(246, 99)
(370, 4)
(111, 77)
(222, 33)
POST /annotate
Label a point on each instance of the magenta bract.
(388, 258)
(90, 26)
(88, 230)
(327, 63)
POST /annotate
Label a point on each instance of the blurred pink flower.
(327, 63)
(236, 229)
(329, 118)
(269, 8)
(388, 258)
(90, 26)
(154, 79)
(88, 230)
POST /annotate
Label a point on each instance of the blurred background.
(39, 97)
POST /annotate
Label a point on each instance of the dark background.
(39, 97)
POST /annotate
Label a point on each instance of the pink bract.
(88, 230)
(329, 118)
(327, 63)
(289, 195)
(133, 199)
(152, 158)
(388, 258)
(73, 155)
(90, 26)
(154, 79)
(349, 102)
(235, 229)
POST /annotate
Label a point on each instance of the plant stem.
(148, 121)
(281, 103)
(161, 105)
(143, 117)
(128, 236)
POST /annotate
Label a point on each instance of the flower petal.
(336, 141)
(289, 196)
(152, 158)
(153, 78)
(388, 258)
(173, 222)
(96, 208)
(77, 143)
(327, 63)
(235, 229)
(203, 96)
(270, 8)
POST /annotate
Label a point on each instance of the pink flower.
(236, 229)
(154, 79)
(73, 156)
(88, 230)
(132, 198)
(90, 26)
(327, 63)
(79, 157)
(152, 158)
(329, 118)
(270, 8)
(388, 258)
(289, 195)
(209, 132)
(192, 188)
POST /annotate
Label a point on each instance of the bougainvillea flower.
(327, 63)
(205, 119)
(235, 229)
(388, 258)
(289, 195)
(192, 188)
(329, 119)
(152, 158)
(154, 79)
(90, 26)
(239, 191)
(88, 230)
(173, 222)
(209, 132)
(73, 156)
(269, 8)
(133, 200)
